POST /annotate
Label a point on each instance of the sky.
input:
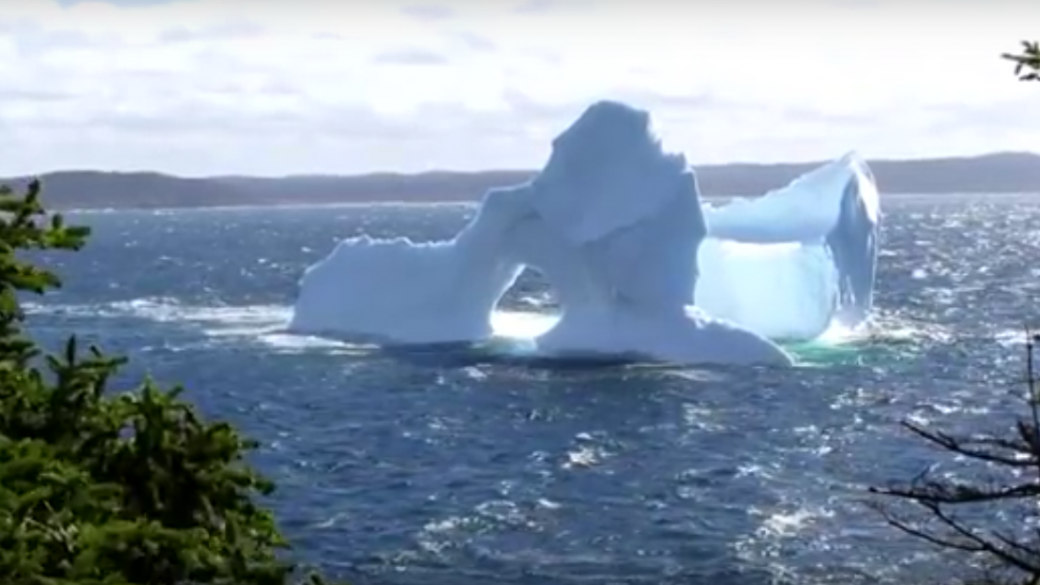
(277, 87)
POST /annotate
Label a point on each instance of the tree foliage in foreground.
(1027, 62)
(114, 488)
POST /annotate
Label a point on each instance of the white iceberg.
(616, 226)
(798, 260)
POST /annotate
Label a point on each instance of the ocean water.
(452, 468)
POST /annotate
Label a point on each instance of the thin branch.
(1010, 543)
(962, 446)
(983, 543)
(1019, 451)
(955, 493)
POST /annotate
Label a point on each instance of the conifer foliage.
(99, 486)
(1027, 62)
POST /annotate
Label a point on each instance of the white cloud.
(429, 11)
(202, 86)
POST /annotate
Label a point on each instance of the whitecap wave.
(514, 330)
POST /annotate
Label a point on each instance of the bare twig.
(933, 495)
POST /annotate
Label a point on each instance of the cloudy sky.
(271, 87)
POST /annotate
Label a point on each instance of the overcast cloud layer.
(201, 87)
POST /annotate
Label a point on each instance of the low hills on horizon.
(986, 174)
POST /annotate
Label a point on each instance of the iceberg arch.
(639, 265)
(797, 260)
(612, 221)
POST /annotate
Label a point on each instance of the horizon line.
(456, 172)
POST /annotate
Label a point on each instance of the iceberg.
(798, 260)
(616, 225)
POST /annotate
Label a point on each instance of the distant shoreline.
(992, 174)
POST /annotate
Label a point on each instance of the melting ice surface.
(638, 265)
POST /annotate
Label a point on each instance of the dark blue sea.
(440, 467)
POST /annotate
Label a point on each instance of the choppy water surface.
(452, 468)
